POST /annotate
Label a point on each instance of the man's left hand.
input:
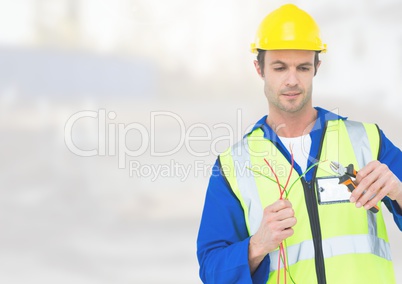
(374, 182)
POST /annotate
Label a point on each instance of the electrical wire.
(283, 190)
(282, 250)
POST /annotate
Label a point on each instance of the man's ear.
(316, 67)
(258, 68)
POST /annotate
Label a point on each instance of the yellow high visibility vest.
(332, 243)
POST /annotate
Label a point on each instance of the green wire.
(261, 174)
(287, 192)
(287, 266)
(302, 175)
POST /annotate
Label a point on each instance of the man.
(273, 213)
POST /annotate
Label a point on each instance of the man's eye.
(279, 68)
(304, 69)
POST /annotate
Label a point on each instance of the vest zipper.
(312, 209)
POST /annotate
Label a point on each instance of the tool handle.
(351, 186)
(374, 209)
(350, 170)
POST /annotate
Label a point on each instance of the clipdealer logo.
(111, 140)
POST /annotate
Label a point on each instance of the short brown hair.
(261, 56)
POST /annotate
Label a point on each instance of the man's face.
(288, 76)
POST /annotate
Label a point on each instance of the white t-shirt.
(300, 147)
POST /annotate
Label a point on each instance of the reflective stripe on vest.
(334, 247)
(247, 186)
(360, 142)
(361, 146)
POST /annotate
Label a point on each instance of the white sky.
(210, 39)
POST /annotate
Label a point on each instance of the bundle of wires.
(283, 194)
(282, 250)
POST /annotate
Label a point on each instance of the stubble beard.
(289, 106)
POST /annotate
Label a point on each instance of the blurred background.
(112, 113)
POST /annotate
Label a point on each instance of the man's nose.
(292, 78)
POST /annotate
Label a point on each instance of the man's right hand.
(276, 225)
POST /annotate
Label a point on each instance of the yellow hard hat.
(288, 27)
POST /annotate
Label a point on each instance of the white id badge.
(329, 191)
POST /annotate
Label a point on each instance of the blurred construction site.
(112, 113)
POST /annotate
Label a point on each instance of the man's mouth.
(291, 95)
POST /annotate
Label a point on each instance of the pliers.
(345, 177)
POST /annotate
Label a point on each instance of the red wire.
(291, 168)
(284, 262)
(283, 254)
(279, 265)
(281, 247)
(276, 177)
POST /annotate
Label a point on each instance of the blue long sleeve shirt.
(223, 240)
